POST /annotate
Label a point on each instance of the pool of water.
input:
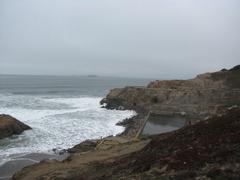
(158, 124)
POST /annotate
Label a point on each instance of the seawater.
(62, 111)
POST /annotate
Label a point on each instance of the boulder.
(9, 126)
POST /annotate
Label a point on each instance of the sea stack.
(10, 126)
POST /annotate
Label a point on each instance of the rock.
(125, 122)
(103, 101)
(84, 146)
(121, 108)
(59, 151)
(9, 126)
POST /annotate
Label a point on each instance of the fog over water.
(136, 38)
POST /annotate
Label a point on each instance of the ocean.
(62, 111)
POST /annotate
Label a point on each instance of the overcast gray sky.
(136, 38)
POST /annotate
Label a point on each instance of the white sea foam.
(57, 122)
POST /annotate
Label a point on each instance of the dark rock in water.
(59, 152)
(115, 104)
(125, 122)
(84, 146)
(103, 101)
(9, 126)
(132, 125)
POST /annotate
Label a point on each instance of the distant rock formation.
(9, 126)
(198, 98)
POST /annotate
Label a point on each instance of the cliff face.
(199, 97)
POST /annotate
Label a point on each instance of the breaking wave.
(57, 122)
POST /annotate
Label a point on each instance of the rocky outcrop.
(84, 146)
(9, 126)
(198, 98)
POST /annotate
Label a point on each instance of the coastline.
(9, 168)
(117, 157)
(183, 153)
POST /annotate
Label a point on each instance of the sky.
(170, 39)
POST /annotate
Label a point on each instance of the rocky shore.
(10, 126)
(206, 148)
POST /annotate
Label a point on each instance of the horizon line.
(78, 75)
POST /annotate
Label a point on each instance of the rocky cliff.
(197, 98)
